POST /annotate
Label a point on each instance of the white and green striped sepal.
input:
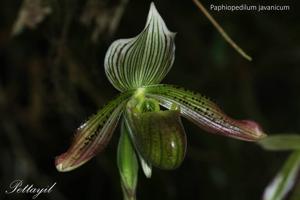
(142, 60)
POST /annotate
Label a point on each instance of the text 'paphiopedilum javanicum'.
(156, 136)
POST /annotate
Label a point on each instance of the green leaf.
(284, 180)
(281, 142)
(158, 136)
(144, 59)
(204, 112)
(295, 193)
(127, 164)
(93, 135)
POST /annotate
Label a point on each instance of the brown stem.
(221, 30)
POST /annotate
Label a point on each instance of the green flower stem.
(127, 164)
(126, 195)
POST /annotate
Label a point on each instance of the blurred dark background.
(52, 78)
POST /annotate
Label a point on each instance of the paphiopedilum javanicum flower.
(135, 67)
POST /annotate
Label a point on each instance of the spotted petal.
(204, 112)
(144, 59)
(92, 136)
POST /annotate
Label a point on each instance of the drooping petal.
(158, 136)
(144, 59)
(204, 112)
(92, 136)
(127, 164)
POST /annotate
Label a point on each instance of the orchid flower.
(150, 113)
